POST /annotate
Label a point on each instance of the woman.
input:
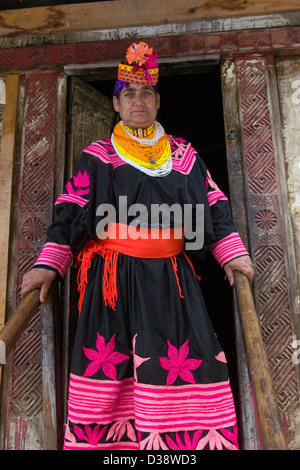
(147, 371)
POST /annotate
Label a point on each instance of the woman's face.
(137, 105)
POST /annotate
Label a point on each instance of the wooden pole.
(17, 323)
(269, 419)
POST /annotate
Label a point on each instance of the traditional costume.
(148, 371)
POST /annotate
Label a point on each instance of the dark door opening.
(191, 108)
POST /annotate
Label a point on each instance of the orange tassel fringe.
(191, 265)
(174, 263)
(84, 258)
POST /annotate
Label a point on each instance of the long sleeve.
(220, 236)
(68, 232)
(229, 244)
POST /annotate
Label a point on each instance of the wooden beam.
(129, 13)
(7, 153)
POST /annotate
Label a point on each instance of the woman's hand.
(38, 278)
(243, 264)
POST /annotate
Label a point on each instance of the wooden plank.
(267, 228)
(6, 173)
(34, 213)
(48, 377)
(128, 13)
(248, 427)
(288, 81)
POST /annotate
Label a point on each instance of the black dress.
(147, 371)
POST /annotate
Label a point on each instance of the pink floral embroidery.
(79, 181)
(178, 364)
(118, 429)
(103, 358)
(178, 147)
(68, 435)
(188, 444)
(221, 357)
(211, 182)
(137, 360)
(92, 436)
(153, 442)
(216, 440)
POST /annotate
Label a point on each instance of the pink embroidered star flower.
(221, 357)
(104, 358)
(137, 360)
(178, 364)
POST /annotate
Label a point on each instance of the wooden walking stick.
(270, 427)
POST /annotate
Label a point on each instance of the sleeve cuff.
(58, 257)
(228, 248)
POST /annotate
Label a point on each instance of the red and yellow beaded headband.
(141, 67)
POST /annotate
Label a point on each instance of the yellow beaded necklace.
(148, 151)
(141, 133)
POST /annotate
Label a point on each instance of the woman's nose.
(137, 99)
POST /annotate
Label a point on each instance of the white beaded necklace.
(163, 170)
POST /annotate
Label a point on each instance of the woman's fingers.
(38, 278)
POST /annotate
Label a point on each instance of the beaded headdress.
(140, 68)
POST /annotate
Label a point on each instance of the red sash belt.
(140, 243)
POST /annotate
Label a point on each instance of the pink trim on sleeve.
(215, 196)
(56, 256)
(228, 248)
(72, 198)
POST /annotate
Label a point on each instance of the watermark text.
(178, 220)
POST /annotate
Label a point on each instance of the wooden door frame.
(32, 59)
(256, 162)
(248, 426)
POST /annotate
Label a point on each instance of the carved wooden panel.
(266, 226)
(288, 79)
(202, 43)
(24, 421)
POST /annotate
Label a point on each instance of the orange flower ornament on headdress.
(137, 53)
